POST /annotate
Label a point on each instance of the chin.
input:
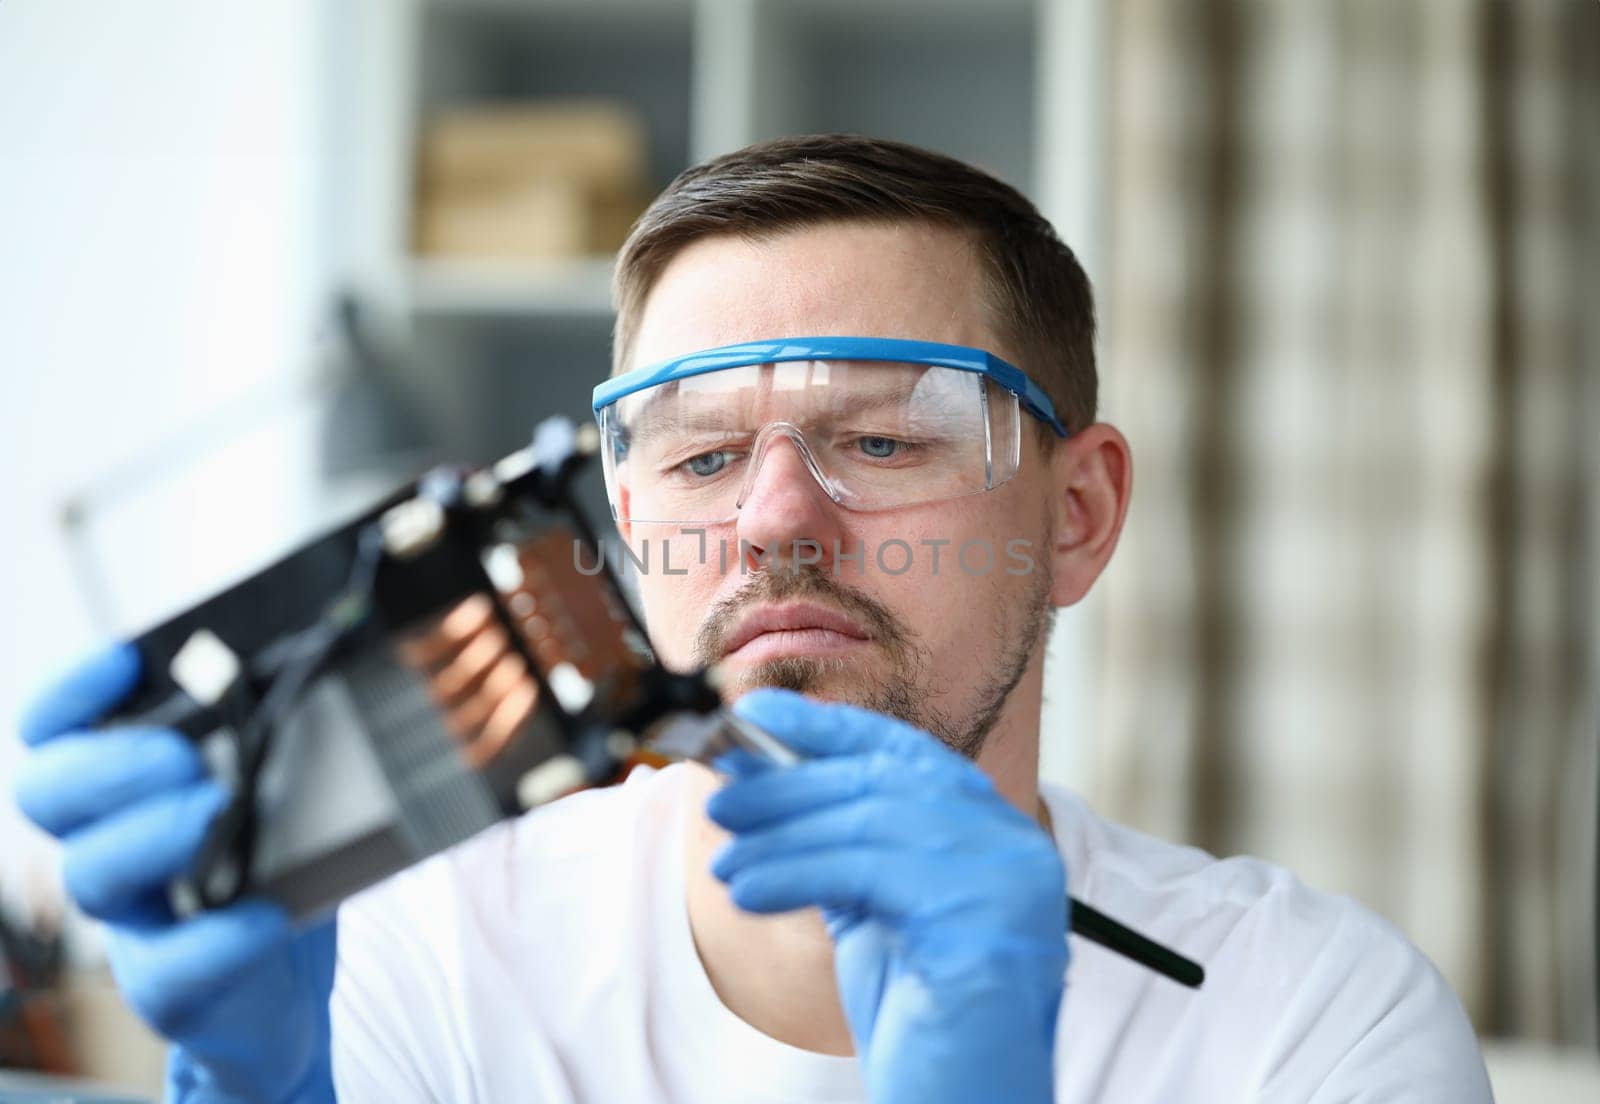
(831, 678)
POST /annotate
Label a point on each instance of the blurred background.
(261, 262)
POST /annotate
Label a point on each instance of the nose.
(785, 514)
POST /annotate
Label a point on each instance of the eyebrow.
(709, 418)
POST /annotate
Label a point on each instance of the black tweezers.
(1088, 922)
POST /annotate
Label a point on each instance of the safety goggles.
(880, 423)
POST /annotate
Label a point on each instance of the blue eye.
(879, 448)
(707, 463)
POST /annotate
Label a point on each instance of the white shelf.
(566, 287)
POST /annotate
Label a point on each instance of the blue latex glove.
(242, 994)
(947, 906)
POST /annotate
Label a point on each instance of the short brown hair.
(1039, 295)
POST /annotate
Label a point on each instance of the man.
(817, 392)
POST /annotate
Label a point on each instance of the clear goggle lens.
(875, 435)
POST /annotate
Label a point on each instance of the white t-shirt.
(549, 960)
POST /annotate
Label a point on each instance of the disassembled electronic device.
(457, 655)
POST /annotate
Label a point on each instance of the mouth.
(793, 628)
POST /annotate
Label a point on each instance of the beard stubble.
(906, 691)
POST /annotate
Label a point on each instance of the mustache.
(875, 619)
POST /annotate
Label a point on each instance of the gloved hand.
(947, 906)
(242, 994)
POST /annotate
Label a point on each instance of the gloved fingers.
(740, 763)
(83, 695)
(1013, 883)
(872, 821)
(780, 794)
(112, 865)
(171, 973)
(82, 776)
(818, 729)
(875, 880)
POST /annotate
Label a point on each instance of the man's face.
(940, 642)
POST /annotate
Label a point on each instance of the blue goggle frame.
(931, 353)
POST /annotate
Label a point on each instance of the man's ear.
(1092, 473)
(624, 528)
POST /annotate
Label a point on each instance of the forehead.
(910, 280)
